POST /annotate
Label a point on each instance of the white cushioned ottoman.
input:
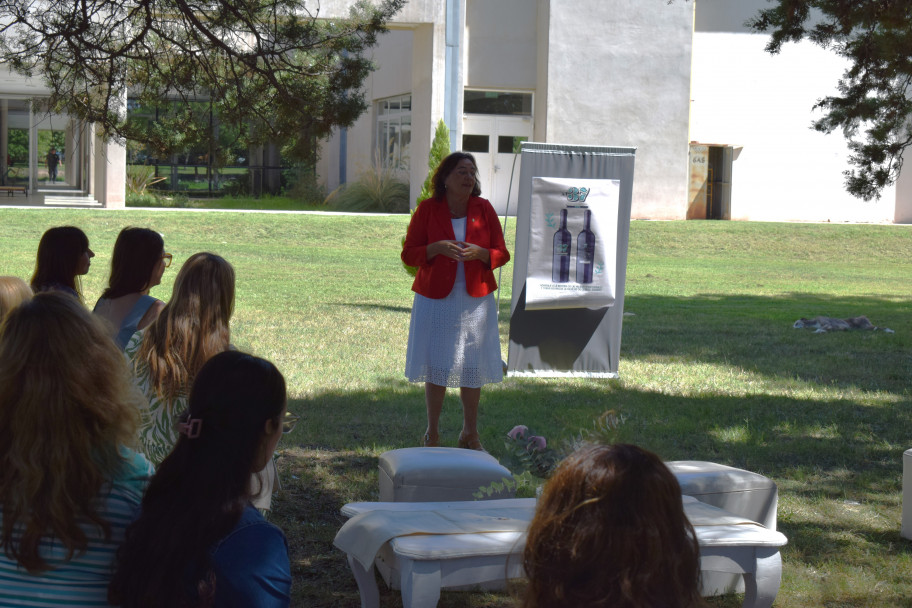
(750, 495)
(439, 474)
(737, 491)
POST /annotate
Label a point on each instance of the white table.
(424, 563)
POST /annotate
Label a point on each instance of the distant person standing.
(52, 160)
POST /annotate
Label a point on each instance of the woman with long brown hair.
(69, 486)
(137, 265)
(63, 256)
(199, 541)
(610, 532)
(166, 356)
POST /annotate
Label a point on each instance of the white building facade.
(643, 73)
(665, 78)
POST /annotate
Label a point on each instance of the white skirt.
(454, 341)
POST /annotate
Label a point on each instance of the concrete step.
(70, 200)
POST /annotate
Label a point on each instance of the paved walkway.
(48, 195)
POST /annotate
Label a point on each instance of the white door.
(494, 141)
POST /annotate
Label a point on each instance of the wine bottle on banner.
(585, 252)
(560, 262)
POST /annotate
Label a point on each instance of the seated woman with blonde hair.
(166, 356)
(69, 486)
(13, 292)
(610, 531)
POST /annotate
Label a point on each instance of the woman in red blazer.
(456, 241)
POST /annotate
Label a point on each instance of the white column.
(111, 167)
(110, 173)
(902, 211)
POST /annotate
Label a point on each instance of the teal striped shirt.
(83, 580)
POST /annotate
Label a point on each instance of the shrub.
(140, 178)
(378, 189)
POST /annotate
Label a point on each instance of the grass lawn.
(711, 369)
(240, 203)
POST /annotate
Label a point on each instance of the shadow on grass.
(821, 452)
(384, 307)
(755, 333)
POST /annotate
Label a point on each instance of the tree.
(272, 64)
(440, 148)
(873, 107)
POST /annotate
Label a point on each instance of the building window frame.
(393, 131)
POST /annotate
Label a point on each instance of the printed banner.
(573, 243)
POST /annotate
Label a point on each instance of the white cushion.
(741, 492)
(439, 474)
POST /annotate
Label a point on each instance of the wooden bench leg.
(367, 584)
(420, 583)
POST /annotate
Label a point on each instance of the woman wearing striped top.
(68, 485)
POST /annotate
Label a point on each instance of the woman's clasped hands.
(459, 251)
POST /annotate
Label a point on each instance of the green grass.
(710, 370)
(238, 203)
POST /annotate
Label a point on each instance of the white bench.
(421, 562)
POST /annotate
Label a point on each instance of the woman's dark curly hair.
(446, 166)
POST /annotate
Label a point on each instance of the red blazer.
(431, 223)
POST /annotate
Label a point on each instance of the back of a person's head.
(57, 261)
(137, 251)
(204, 287)
(200, 490)
(610, 530)
(193, 326)
(13, 292)
(233, 396)
(66, 408)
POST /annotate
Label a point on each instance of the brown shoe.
(470, 442)
(429, 442)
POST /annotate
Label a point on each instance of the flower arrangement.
(531, 460)
(529, 452)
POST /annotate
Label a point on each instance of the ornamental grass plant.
(710, 369)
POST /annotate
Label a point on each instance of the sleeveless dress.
(128, 325)
(454, 341)
(157, 432)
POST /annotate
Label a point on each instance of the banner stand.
(572, 230)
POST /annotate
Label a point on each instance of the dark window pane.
(492, 102)
(475, 143)
(509, 144)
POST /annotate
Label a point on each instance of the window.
(475, 143)
(510, 144)
(497, 102)
(394, 131)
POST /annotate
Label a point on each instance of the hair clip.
(191, 428)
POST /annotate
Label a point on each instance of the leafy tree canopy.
(873, 106)
(274, 64)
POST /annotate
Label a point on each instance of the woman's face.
(461, 180)
(85, 261)
(158, 270)
(271, 435)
